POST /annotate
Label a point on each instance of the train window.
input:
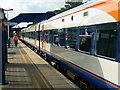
(22, 35)
(72, 18)
(56, 37)
(33, 35)
(85, 39)
(51, 36)
(36, 35)
(71, 37)
(63, 20)
(25, 34)
(29, 35)
(106, 40)
(62, 37)
(85, 13)
(47, 36)
(40, 35)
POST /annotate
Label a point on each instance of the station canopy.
(31, 17)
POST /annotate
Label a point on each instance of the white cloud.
(30, 6)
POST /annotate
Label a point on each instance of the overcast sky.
(30, 6)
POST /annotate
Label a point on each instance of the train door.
(39, 36)
(85, 39)
(35, 35)
(62, 37)
(43, 46)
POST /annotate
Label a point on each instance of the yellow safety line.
(36, 83)
(37, 68)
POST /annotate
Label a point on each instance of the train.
(83, 43)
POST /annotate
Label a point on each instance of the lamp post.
(8, 26)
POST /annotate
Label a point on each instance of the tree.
(69, 4)
(73, 4)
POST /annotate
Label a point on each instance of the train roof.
(76, 8)
(87, 5)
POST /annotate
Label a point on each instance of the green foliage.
(68, 5)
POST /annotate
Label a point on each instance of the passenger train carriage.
(83, 42)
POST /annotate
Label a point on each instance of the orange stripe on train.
(43, 47)
(1, 25)
(111, 7)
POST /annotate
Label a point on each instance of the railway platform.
(27, 70)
